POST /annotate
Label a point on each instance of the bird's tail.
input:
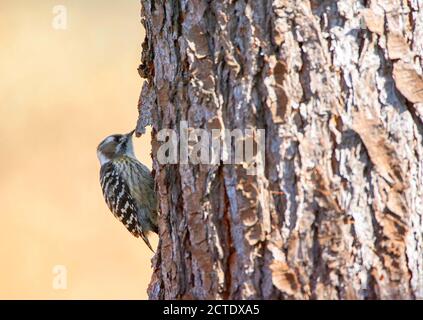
(144, 237)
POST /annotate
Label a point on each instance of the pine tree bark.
(338, 87)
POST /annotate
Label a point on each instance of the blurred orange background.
(61, 93)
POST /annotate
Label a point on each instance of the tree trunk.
(337, 86)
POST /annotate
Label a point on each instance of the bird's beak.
(130, 133)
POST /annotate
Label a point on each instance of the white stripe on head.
(107, 140)
(102, 158)
(100, 155)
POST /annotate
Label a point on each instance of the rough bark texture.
(338, 87)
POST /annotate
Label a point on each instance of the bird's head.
(115, 146)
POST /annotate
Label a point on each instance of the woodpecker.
(127, 186)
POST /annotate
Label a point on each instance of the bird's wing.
(147, 195)
(120, 201)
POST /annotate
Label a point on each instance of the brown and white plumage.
(128, 186)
